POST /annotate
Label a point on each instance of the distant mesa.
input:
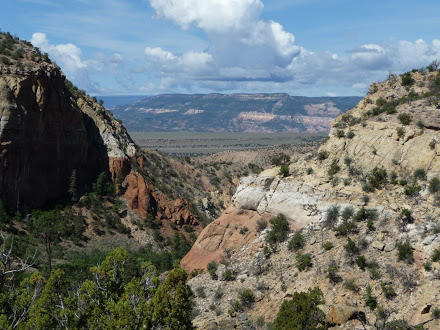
(263, 113)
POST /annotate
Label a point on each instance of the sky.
(300, 47)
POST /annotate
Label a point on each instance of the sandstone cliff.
(48, 129)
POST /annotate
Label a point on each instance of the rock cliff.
(48, 128)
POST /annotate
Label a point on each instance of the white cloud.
(213, 16)
(70, 58)
(371, 56)
(67, 55)
(247, 52)
(240, 41)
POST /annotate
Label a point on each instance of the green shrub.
(347, 213)
(301, 312)
(200, 292)
(236, 307)
(346, 227)
(297, 242)
(351, 247)
(348, 161)
(309, 170)
(340, 133)
(328, 246)
(280, 159)
(244, 230)
(334, 168)
(388, 290)
(332, 216)
(405, 217)
(350, 134)
(303, 261)
(228, 275)
(404, 118)
(322, 155)
(370, 225)
(435, 255)
(434, 185)
(261, 225)
(400, 132)
(332, 273)
(246, 297)
(284, 170)
(361, 261)
(381, 101)
(370, 300)
(377, 177)
(427, 266)
(435, 313)
(419, 174)
(374, 269)
(5, 60)
(368, 188)
(280, 229)
(212, 268)
(373, 88)
(405, 252)
(407, 79)
(412, 189)
(432, 144)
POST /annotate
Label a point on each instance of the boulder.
(340, 314)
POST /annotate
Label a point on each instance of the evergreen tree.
(301, 312)
(172, 302)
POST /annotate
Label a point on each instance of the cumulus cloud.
(70, 58)
(246, 51)
(242, 45)
(213, 16)
(68, 55)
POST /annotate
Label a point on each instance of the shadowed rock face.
(46, 133)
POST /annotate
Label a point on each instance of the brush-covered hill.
(233, 113)
(359, 220)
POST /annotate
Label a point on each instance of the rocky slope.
(233, 113)
(382, 157)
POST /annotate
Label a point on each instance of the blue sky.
(302, 47)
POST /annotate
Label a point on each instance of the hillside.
(233, 113)
(362, 216)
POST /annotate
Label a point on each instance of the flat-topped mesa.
(48, 129)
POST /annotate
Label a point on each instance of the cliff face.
(48, 130)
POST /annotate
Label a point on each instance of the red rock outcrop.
(146, 199)
(221, 237)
